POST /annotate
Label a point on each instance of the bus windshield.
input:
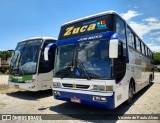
(25, 57)
(88, 60)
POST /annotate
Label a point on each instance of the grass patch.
(4, 88)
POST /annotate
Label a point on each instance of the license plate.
(75, 100)
(16, 86)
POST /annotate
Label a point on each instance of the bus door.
(120, 62)
(45, 70)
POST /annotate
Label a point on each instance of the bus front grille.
(75, 86)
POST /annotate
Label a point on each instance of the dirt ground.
(14, 101)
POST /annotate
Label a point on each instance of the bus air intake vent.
(75, 86)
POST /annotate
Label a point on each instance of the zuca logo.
(101, 24)
(72, 30)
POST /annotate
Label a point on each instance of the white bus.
(100, 61)
(28, 70)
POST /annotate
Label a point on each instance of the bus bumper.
(87, 99)
(24, 86)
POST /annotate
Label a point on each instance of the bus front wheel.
(130, 92)
(150, 81)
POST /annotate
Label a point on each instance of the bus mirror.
(52, 45)
(113, 48)
(46, 53)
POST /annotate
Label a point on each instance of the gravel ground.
(14, 101)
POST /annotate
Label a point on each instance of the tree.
(1, 54)
(5, 54)
(156, 58)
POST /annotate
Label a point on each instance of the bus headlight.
(102, 88)
(95, 87)
(109, 88)
(56, 84)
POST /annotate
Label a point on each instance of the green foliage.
(156, 58)
(5, 54)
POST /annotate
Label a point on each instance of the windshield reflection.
(25, 57)
(89, 60)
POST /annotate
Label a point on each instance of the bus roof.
(43, 37)
(92, 16)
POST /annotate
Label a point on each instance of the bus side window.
(138, 45)
(130, 38)
(142, 46)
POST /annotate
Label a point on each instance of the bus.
(100, 61)
(28, 70)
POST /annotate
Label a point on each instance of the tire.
(130, 92)
(150, 81)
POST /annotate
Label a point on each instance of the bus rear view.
(92, 62)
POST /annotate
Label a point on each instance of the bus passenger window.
(142, 46)
(138, 44)
(130, 38)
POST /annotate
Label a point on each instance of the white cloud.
(143, 29)
(155, 39)
(147, 27)
(130, 14)
(151, 20)
(154, 33)
(154, 47)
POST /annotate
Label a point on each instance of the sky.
(22, 19)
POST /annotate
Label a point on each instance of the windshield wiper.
(63, 71)
(94, 75)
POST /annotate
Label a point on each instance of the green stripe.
(20, 78)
